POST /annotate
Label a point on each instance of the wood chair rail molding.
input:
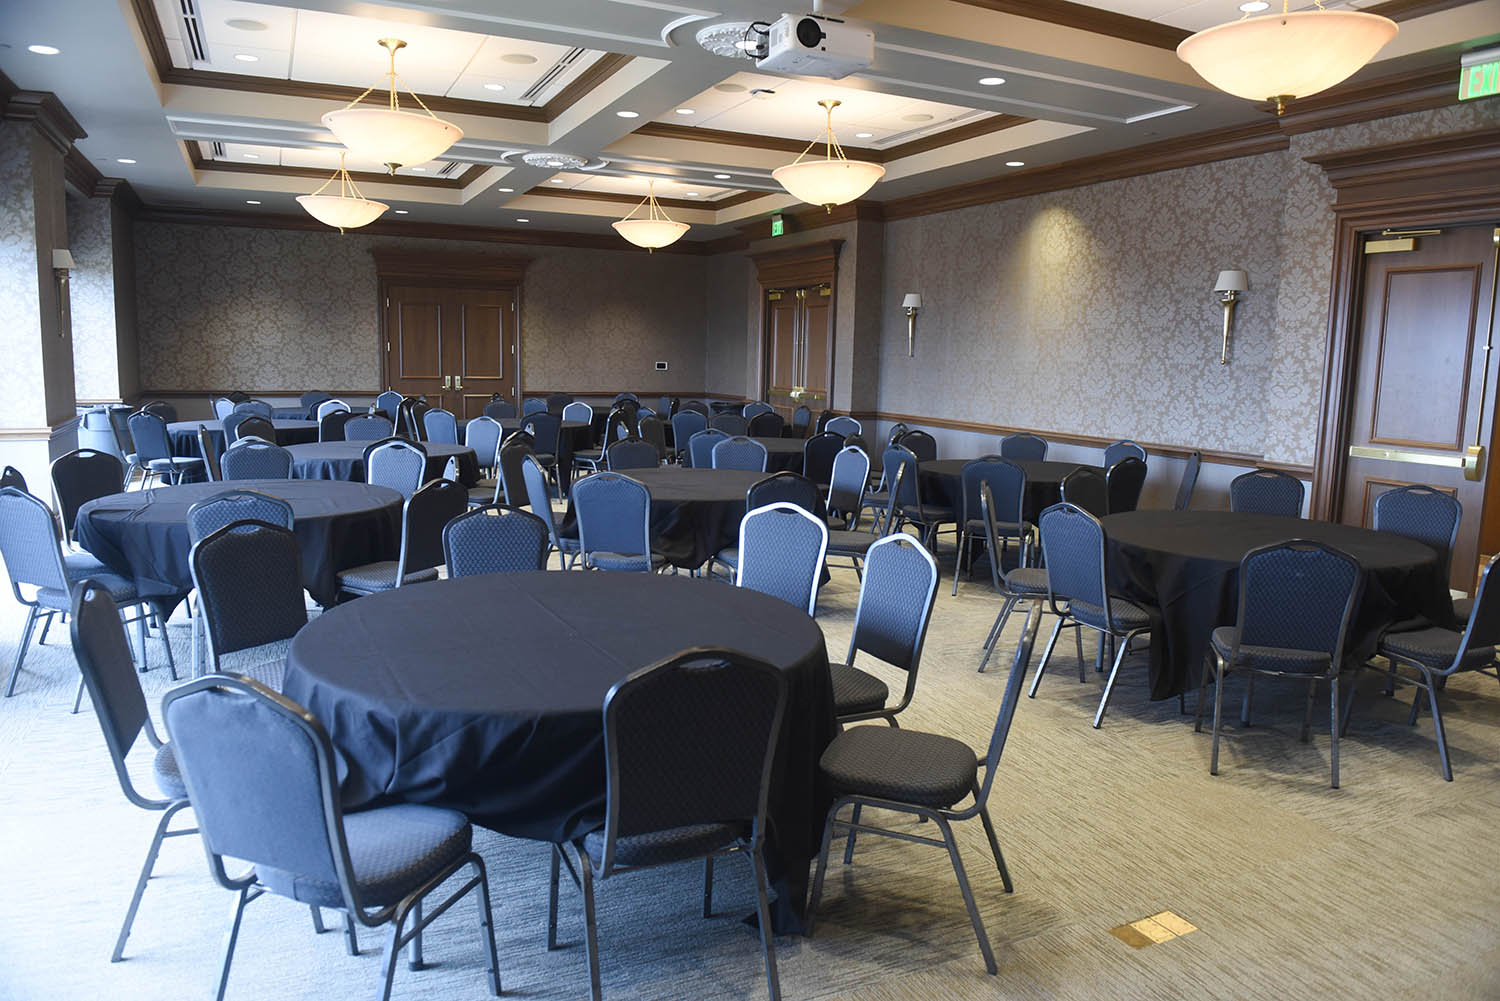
(446, 268)
(1448, 181)
(806, 264)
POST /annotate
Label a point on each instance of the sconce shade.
(62, 260)
(1232, 281)
(913, 300)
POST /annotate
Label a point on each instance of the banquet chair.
(259, 408)
(739, 452)
(919, 443)
(254, 459)
(1189, 481)
(558, 402)
(153, 450)
(330, 407)
(1023, 447)
(546, 430)
(781, 552)
(213, 513)
(533, 405)
(423, 517)
(309, 401)
(801, 420)
(846, 486)
(34, 559)
(495, 538)
(844, 426)
(331, 426)
(1021, 583)
(685, 424)
(618, 424)
(162, 409)
(450, 469)
(818, 453)
(396, 463)
(241, 424)
(854, 543)
(689, 746)
(535, 480)
(1007, 483)
(103, 655)
(911, 509)
(237, 396)
(700, 447)
(248, 575)
(247, 754)
(12, 478)
(210, 455)
(440, 426)
(1076, 552)
(786, 487)
(389, 404)
(653, 430)
(1266, 491)
(483, 435)
(80, 476)
(767, 424)
(697, 407)
(1428, 516)
(614, 523)
(1087, 489)
(578, 411)
(510, 485)
(411, 418)
(1297, 599)
(755, 408)
(500, 410)
(890, 625)
(627, 397)
(1124, 448)
(894, 437)
(1436, 654)
(367, 427)
(730, 424)
(119, 423)
(223, 407)
(922, 774)
(1123, 482)
(631, 453)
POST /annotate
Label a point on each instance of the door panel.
(485, 348)
(414, 328)
(817, 338)
(782, 316)
(455, 346)
(1421, 370)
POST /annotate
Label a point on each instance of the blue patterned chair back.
(164, 410)
(578, 411)
(1123, 483)
(29, 543)
(307, 401)
(919, 443)
(395, 463)
(423, 518)
(516, 447)
(785, 486)
(653, 430)
(12, 477)
(495, 539)
(768, 424)
(500, 410)
(1007, 483)
(1189, 481)
(534, 478)
(83, 475)
(782, 547)
(740, 452)
(1024, 447)
(844, 426)
(440, 426)
(1266, 491)
(755, 407)
(1483, 627)
(1421, 513)
(483, 435)
(1088, 490)
(614, 514)
(213, 513)
(1124, 448)
(631, 453)
(533, 405)
(248, 426)
(223, 407)
(730, 424)
(1297, 595)
(544, 429)
(895, 602)
(802, 418)
(331, 407)
(1073, 547)
(389, 403)
(818, 453)
(558, 402)
(685, 424)
(249, 580)
(701, 447)
(846, 486)
(697, 407)
(149, 432)
(259, 408)
(254, 459)
(627, 397)
(896, 457)
(897, 430)
(690, 741)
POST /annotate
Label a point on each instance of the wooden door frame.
(807, 264)
(1448, 181)
(394, 266)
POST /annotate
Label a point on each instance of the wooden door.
(483, 350)
(1424, 378)
(817, 345)
(455, 346)
(782, 323)
(416, 318)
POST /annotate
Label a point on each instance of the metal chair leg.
(1202, 691)
(46, 625)
(708, 887)
(1078, 645)
(1333, 725)
(140, 884)
(1349, 702)
(15, 670)
(1109, 686)
(1249, 698)
(989, 832)
(822, 869)
(351, 935)
(590, 926)
(963, 885)
(414, 947)
(317, 916)
(1437, 725)
(241, 898)
(1213, 762)
(1029, 629)
(78, 696)
(763, 911)
(392, 953)
(1312, 691)
(552, 897)
(487, 922)
(1046, 657)
(849, 841)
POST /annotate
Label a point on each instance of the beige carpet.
(1386, 888)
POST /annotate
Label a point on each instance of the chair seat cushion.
(121, 590)
(842, 542)
(1268, 658)
(81, 566)
(1004, 529)
(380, 576)
(730, 556)
(392, 849)
(625, 561)
(175, 462)
(928, 514)
(855, 691)
(693, 841)
(907, 766)
(1434, 648)
(1127, 614)
(1026, 580)
(168, 775)
(482, 494)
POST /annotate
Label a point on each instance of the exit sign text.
(1479, 75)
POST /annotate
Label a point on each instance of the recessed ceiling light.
(43, 50)
(419, 170)
(123, 159)
(245, 24)
(1254, 6)
(686, 111)
(518, 58)
(559, 180)
(991, 81)
(251, 201)
(246, 57)
(916, 118)
(401, 211)
(691, 194)
(252, 156)
(494, 86)
(729, 88)
(1015, 163)
(864, 135)
(721, 177)
(505, 190)
(627, 114)
(523, 220)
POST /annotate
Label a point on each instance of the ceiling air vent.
(192, 32)
(449, 168)
(217, 150)
(536, 90)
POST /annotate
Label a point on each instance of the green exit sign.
(778, 225)
(1479, 75)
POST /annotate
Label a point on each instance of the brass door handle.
(458, 382)
(1471, 462)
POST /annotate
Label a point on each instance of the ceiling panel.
(319, 159)
(1202, 14)
(666, 187)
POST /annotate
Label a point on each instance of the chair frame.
(1280, 476)
(778, 508)
(583, 549)
(914, 653)
(1035, 602)
(503, 511)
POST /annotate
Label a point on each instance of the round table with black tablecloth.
(579, 433)
(942, 483)
(184, 434)
(1187, 564)
(142, 535)
(694, 512)
(345, 460)
(484, 694)
(782, 454)
(290, 413)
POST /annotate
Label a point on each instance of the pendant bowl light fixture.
(833, 180)
(390, 135)
(1278, 57)
(655, 229)
(349, 209)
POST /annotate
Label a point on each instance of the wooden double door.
(456, 346)
(798, 353)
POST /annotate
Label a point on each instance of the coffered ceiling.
(218, 102)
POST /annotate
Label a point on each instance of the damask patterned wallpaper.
(21, 399)
(223, 307)
(92, 294)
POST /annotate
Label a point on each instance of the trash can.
(97, 432)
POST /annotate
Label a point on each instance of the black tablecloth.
(1187, 564)
(345, 460)
(289, 413)
(484, 694)
(184, 434)
(142, 534)
(694, 512)
(782, 453)
(942, 483)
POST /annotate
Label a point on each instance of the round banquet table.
(694, 512)
(1187, 564)
(942, 483)
(484, 694)
(290, 414)
(782, 454)
(345, 460)
(142, 535)
(184, 434)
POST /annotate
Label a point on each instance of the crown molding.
(46, 114)
(1095, 20)
(1349, 103)
(603, 68)
(1405, 10)
(545, 191)
(776, 144)
(195, 157)
(398, 264)
(80, 172)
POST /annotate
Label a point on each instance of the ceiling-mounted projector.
(817, 45)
